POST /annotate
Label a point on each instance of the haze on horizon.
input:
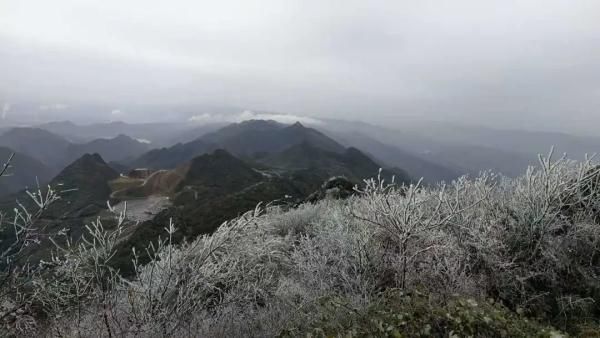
(511, 64)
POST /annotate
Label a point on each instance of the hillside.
(219, 170)
(215, 187)
(84, 192)
(212, 188)
(416, 166)
(40, 144)
(457, 149)
(86, 184)
(351, 163)
(468, 259)
(168, 158)
(30, 172)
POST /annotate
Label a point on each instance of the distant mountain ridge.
(157, 133)
(168, 158)
(458, 148)
(351, 163)
(119, 148)
(249, 139)
(37, 143)
(255, 137)
(415, 166)
(56, 152)
(24, 172)
(225, 172)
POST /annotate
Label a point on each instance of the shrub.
(394, 259)
(396, 314)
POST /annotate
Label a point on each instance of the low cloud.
(246, 115)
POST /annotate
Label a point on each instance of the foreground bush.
(416, 315)
(531, 245)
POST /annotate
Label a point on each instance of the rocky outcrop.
(337, 187)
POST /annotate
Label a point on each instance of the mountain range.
(208, 174)
(207, 181)
(56, 152)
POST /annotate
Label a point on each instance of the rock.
(337, 187)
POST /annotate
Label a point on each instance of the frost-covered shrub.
(19, 231)
(531, 244)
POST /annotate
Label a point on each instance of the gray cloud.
(530, 63)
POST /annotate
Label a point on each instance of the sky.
(531, 64)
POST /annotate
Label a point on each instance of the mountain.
(258, 137)
(194, 133)
(210, 189)
(84, 191)
(248, 139)
(166, 158)
(158, 134)
(413, 164)
(117, 149)
(37, 143)
(25, 172)
(56, 152)
(205, 175)
(468, 150)
(352, 163)
(472, 159)
(85, 186)
(214, 187)
(219, 171)
(523, 142)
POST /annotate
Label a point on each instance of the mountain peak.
(219, 169)
(219, 156)
(86, 181)
(221, 153)
(258, 125)
(90, 158)
(31, 132)
(86, 167)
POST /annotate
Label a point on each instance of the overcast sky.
(528, 64)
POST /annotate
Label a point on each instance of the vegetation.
(484, 256)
